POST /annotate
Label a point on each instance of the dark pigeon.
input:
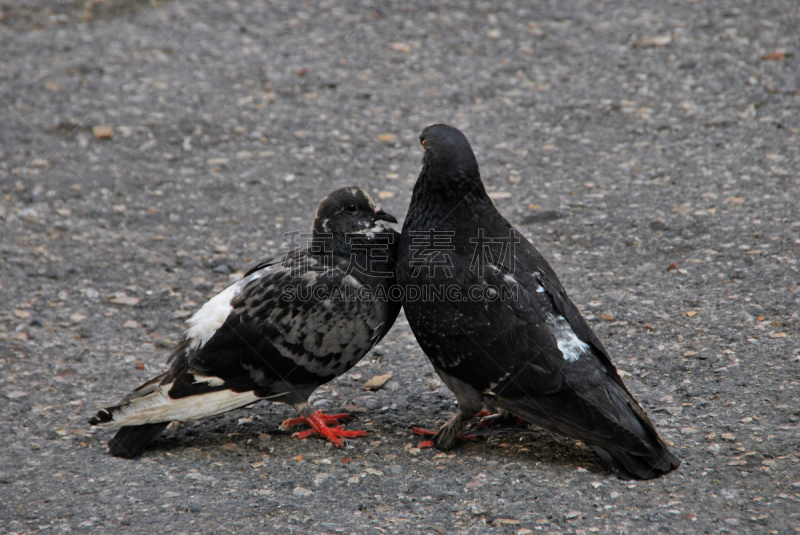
(290, 325)
(511, 339)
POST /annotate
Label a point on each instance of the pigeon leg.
(318, 422)
(446, 438)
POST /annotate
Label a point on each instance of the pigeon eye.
(350, 209)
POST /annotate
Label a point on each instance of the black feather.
(130, 441)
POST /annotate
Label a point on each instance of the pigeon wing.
(292, 327)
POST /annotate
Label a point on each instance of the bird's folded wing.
(587, 376)
(296, 324)
(504, 341)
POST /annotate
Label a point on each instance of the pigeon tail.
(142, 418)
(628, 466)
(631, 452)
(130, 441)
(159, 406)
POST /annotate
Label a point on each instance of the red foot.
(488, 418)
(318, 424)
(429, 443)
(423, 433)
(327, 418)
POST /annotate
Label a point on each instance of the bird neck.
(323, 244)
(377, 250)
(446, 191)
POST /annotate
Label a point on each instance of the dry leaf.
(691, 313)
(102, 132)
(655, 40)
(777, 55)
(385, 194)
(672, 266)
(606, 317)
(400, 47)
(388, 138)
(377, 382)
(122, 299)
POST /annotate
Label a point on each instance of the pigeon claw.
(430, 443)
(326, 418)
(488, 418)
(318, 422)
(424, 433)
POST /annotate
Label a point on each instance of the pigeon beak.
(383, 216)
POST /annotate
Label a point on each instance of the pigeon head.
(346, 213)
(449, 163)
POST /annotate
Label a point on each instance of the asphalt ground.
(648, 149)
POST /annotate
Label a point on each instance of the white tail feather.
(159, 407)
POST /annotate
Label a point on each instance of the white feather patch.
(205, 322)
(159, 407)
(371, 231)
(568, 342)
(212, 381)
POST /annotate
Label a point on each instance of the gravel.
(152, 151)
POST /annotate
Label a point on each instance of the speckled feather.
(288, 345)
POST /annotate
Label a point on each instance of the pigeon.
(288, 326)
(498, 327)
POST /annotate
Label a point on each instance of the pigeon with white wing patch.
(290, 325)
